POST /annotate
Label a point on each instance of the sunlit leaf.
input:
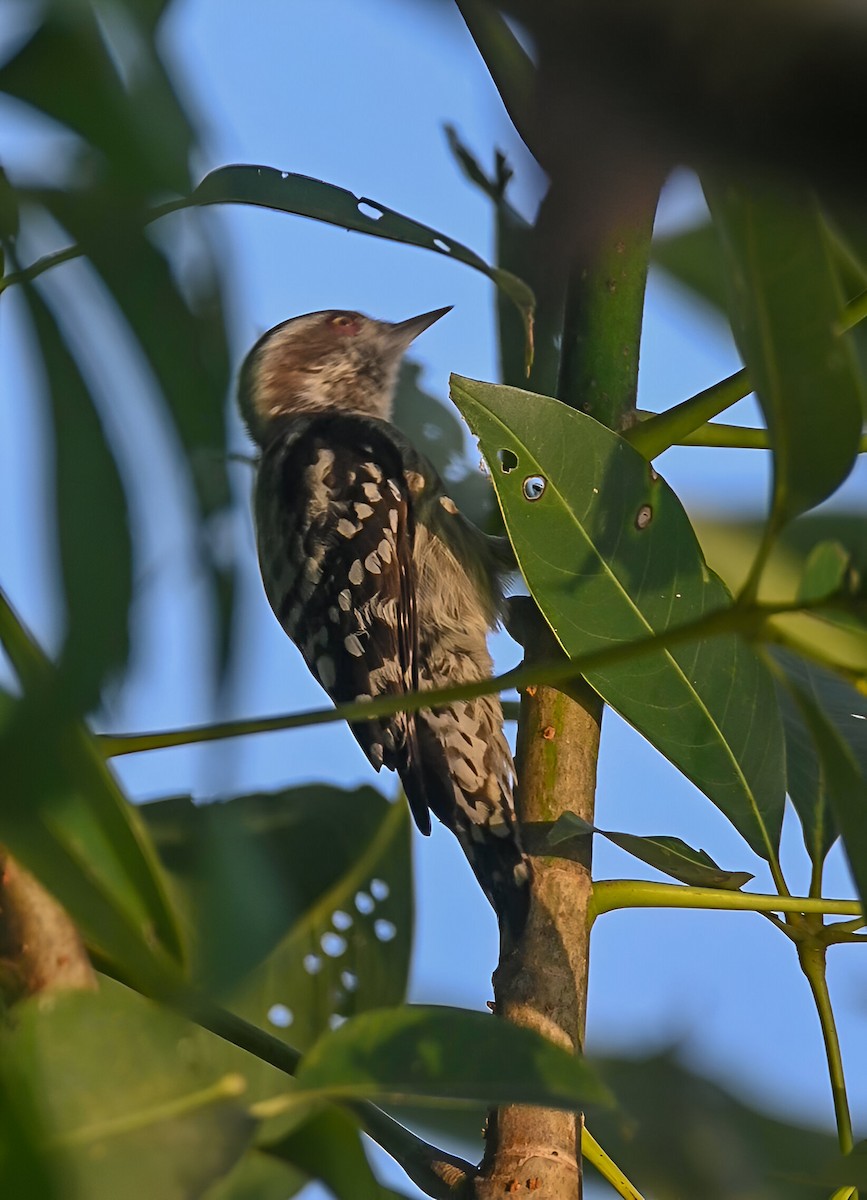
(306, 197)
(427, 1053)
(609, 555)
(92, 523)
(667, 854)
(786, 304)
(127, 1114)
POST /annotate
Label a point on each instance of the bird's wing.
(339, 534)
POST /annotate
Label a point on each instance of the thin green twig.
(612, 894)
(746, 620)
(812, 960)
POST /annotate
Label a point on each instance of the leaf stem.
(717, 435)
(666, 429)
(812, 960)
(612, 894)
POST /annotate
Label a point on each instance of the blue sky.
(357, 95)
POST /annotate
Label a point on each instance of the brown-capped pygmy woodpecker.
(379, 580)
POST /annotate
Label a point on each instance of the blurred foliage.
(295, 909)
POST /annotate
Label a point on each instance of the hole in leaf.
(369, 210)
(335, 1021)
(364, 903)
(534, 487)
(643, 517)
(349, 980)
(280, 1016)
(432, 432)
(384, 930)
(333, 944)
(379, 889)
(441, 245)
(507, 460)
(340, 920)
(312, 964)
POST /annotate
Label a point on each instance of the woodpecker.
(379, 580)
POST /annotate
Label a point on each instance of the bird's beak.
(404, 332)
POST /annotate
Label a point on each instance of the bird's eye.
(345, 324)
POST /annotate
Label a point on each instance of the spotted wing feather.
(335, 531)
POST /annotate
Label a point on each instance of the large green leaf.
(322, 883)
(67, 820)
(286, 192)
(131, 1104)
(610, 556)
(786, 304)
(426, 1054)
(92, 524)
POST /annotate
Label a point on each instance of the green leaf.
(92, 523)
(328, 1148)
(427, 1054)
(258, 1176)
(825, 571)
(183, 337)
(130, 1102)
(610, 556)
(694, 258)
(510, 66)
(68, 821)
(667, 854)
(786, 304)
(67, 71)
(330, 932)
(306, 197)
(25, 1169)
(843, 775)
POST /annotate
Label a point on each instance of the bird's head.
(325, 360)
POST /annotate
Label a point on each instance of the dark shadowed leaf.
(668, 854)
(67, 71)
(786, 303)
(306, 197)
(25, 1166)
(68, 821)
(694, 258)
(844, 708)
(258, 1176)
(328, 1148)
(843, 775)
(426, 1054)
(92, 524)
(609, 555)
(684, 1136)
(162, 1121)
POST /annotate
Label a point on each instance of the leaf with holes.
(283, 191)
(786, 304)
(667, 854)
(424, 1053)
(610, 556)
(323, 885)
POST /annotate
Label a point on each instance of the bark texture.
(40, 948)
